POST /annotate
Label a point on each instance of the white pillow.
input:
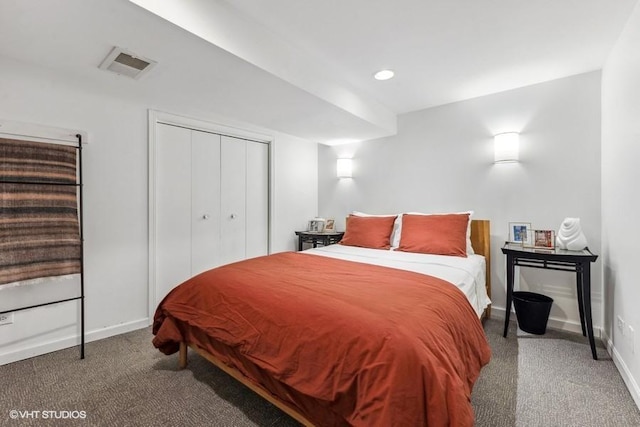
(395, 233)
(397, 228)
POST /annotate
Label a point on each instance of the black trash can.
(532, 311)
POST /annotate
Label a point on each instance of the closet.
(210, 202)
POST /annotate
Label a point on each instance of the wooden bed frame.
(481, 242)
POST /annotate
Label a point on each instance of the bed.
(342, 335)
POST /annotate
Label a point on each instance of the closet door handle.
(233, 216)
(205, 216)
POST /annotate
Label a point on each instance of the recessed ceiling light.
(383, 75)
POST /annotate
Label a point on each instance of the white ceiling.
(305, 68)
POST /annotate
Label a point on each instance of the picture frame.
(520, 233)
(316, 226)
(544, 239)
(330, 225)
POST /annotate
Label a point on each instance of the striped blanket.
(39, 229)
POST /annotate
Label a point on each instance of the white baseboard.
(72, 341)
(553, 323)
(625, 373)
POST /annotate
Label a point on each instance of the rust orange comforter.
(345, 342)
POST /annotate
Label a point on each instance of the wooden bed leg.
(182, 358)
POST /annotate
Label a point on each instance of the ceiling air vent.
(126, 63)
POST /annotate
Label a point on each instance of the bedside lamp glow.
(344, 168)
(506, 147)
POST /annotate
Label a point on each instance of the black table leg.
(586, 294)
(510, 276)
(579, 278)
(299, 243)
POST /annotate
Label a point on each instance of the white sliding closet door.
(233, 179)
(257, 198)
(173, 208)
(205, 204)
(211, 203)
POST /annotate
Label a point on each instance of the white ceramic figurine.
(570, 235)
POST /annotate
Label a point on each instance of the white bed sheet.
(468, 274)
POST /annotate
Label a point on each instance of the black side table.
(557, 259)
(316, 239)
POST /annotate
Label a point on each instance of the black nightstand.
(578, 262)
(323, 239)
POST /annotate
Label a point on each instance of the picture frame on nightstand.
(330, 225)
(520, 233)
(316, 226)
(544, 239)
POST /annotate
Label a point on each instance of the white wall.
(621, 200)
(116, 202)
(296, 193)
(442, 160)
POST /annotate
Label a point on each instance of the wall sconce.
(344, 168)
(506, 146)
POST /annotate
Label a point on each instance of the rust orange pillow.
(435, 234)
(372, 232)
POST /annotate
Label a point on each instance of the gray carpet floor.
(547, 380)
(565, 388)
